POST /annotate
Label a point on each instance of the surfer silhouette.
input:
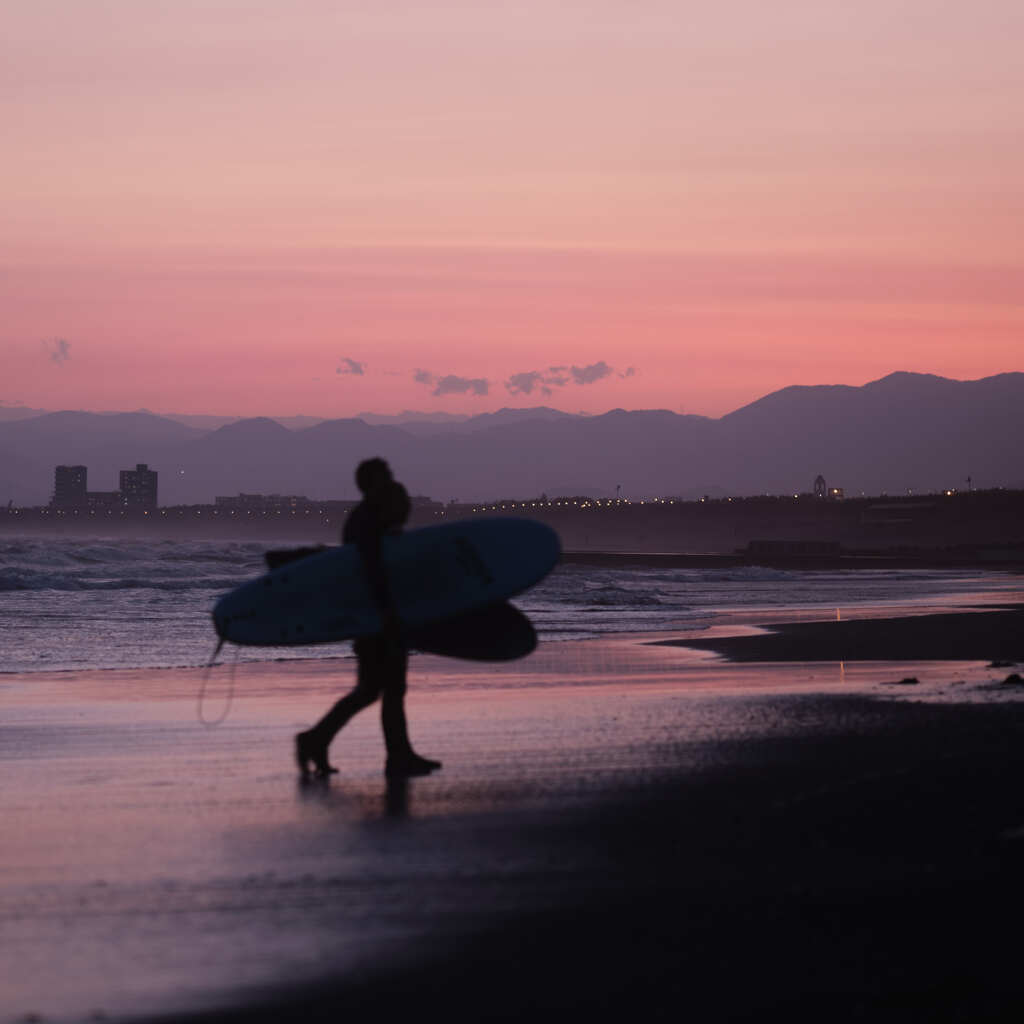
(382, 659)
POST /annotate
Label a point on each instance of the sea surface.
(77, 603)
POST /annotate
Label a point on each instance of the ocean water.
(79, 603)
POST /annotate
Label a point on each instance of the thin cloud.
(351, 367)
(545, 381)
(58, 349)
(535, 380)
(589, 374)
(525, 383)
(452, 384)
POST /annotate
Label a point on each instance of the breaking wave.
(73, 565)
(71, 603)
(27, 579)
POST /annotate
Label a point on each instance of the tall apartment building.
(69, 487)
(138, 486)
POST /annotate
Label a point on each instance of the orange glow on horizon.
(216, 211)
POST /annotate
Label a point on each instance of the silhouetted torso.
(365, 526)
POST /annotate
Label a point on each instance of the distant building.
(69, 487)
(138, 486)
(104, 500)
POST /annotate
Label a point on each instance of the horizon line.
(425, 414)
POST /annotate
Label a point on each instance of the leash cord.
(228, 700)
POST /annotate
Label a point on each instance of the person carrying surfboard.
(382, 659)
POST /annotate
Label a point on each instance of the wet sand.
(621, 828)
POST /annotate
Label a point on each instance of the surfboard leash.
(228, 700)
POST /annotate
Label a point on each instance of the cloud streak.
(525, 383)
(592, 373)
(452, 384)
(545, 381)
(351, 367)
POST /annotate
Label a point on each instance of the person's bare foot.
(410, 764)
(311, 756)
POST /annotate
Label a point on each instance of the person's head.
(372, 474)
(393, 501)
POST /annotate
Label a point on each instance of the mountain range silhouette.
(906, 431)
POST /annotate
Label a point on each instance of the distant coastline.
(967, 528)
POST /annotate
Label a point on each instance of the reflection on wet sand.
(618, 825)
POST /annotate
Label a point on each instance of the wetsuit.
(382, 660)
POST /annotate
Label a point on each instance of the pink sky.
(217, 204)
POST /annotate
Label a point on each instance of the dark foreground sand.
(986, 633)
(621, 831)
(872, 872)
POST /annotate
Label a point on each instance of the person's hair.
(371, 473)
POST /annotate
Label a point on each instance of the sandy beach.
(621, 827)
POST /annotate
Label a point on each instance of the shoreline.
(761, 633)
(925, 559)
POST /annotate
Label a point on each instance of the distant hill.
(91, 428)
(198, 420)
(411, 417)
(9, 413)
(427, 424)
(105, 443)
(904, 432)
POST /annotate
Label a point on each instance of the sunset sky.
(325, 207)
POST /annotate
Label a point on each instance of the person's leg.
(402, 760)
(392, 705)
(311, 746)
